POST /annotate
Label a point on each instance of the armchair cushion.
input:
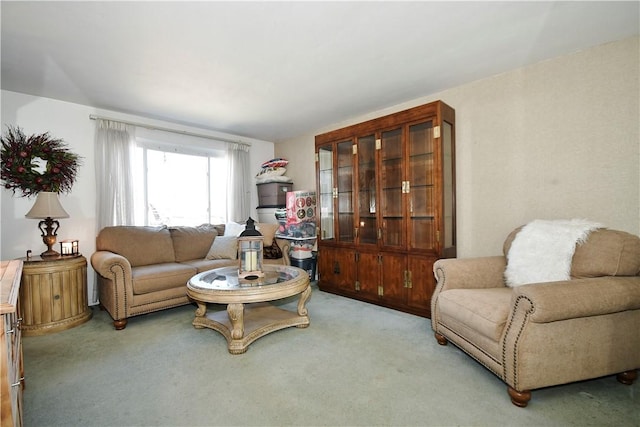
(605, 253)
(485, 309)
(542, 251)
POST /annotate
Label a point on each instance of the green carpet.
(356, 364)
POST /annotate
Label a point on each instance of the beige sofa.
(146, 269)
(545, 334)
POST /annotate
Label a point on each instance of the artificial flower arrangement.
(36, 163)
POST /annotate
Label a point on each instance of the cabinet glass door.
(391, 186)
(325, 179)
(367, 228)
(422, 221)
(448, 188)
(346, 230)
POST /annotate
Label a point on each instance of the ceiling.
(277, 70)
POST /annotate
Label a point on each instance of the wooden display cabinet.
(387, 206)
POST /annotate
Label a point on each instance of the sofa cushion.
(485, 310)
(152, 278)
(192, 242)
(209, 264)
(223, 247)
(139, 245)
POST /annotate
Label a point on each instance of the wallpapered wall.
(558, 139)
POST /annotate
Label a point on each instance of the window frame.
(187, 146)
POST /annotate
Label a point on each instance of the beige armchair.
(544, 334)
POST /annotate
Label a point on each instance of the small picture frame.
(69, 247)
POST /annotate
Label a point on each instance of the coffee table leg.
(201, 311)
(304, 297)
(236, 317)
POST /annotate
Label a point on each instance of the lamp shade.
(47, 205)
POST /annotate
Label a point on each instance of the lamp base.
(50, 254)
(49, 228)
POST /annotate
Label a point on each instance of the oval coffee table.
(240, 324)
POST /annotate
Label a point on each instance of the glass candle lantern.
(250, 252)
(69, 247)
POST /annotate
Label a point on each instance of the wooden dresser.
(11, 368)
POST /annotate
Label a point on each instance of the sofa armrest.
(115, 282)
(470, 273)
(554, 301)
(109, 265)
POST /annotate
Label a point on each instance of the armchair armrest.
(284, 246)
(553, 301)
(470, 273)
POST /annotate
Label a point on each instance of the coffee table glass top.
(226, 278)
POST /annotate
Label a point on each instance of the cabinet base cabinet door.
(394, 273)
(368, 278)
(422, 283)
(336, 269)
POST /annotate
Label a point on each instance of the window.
(179, 185)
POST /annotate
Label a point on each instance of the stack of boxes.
(298, 224)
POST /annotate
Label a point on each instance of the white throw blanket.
(542, 251)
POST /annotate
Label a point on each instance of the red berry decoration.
(18, 173)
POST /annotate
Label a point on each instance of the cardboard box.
(301, 206)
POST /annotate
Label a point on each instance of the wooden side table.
(53, 294)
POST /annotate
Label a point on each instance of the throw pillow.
(272, 252)
(233, 229)
(224, 247)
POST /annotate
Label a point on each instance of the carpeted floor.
(356, 364)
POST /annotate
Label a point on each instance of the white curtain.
(239, 195)
(114, 145)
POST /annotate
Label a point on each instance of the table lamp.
(47, 207)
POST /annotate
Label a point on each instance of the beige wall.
(558, 139)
